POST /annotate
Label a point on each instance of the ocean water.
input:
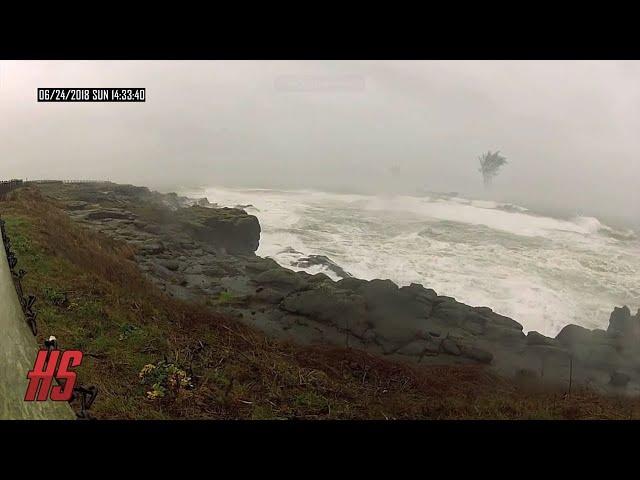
(543, 272)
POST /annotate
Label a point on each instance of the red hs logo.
(49, 365)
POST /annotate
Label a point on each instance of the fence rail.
(7, 186)
(65, 181)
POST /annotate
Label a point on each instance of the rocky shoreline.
(196, 251)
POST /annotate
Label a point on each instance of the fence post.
(570, 372)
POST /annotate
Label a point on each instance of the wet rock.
(152, 247)
(501, 321)
(526, 376)
(163, 273)
(387, 346)
(597, 355)
(174, 201)
(322, 261)
(109, 214)
(483, 310)
(419, 293)
(601, 335)
(354, 284)
(193, 268)
(450, 347)
(476, 353)
(214, 270)
(76, 205)
(375, 288)
(148, 227)
(369, 336)
(395, 313)
(131, 191)
(415, 348)
(336, 307)
(268, 295)
(535, 338)
(444, 298)
(258, 265)
(170, 264)
(228, 228)
(281, 278)
(317, 279)
(473, 328)
(619, 379)
(503, 334)
(623, 323)
(450, 313)
(471, 316)
(574, 334)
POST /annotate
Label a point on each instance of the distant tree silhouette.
(490, 165)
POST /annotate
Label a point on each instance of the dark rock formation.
(323, 261)
(574, 334)
(619, 379)
(622, 323)
(226, 228)
(535, 338)
(101, 214)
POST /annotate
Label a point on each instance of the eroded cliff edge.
(193, 250)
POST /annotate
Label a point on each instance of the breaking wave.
(542, 271)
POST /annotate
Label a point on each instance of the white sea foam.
(542, 271)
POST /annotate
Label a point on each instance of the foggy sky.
(570, 129)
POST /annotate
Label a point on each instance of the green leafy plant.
(54, 297)
(165, 379)
(127, 330)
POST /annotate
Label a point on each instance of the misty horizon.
(567, 128)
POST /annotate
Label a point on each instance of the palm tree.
(490, 164)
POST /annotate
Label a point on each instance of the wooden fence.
(65, 181)
(7, 186)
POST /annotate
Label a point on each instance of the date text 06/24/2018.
(91, 94)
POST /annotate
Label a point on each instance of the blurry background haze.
(569, 129)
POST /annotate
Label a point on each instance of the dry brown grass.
(93, 297)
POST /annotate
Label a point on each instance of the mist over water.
(567, 128)
(544, 272)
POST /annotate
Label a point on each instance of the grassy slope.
(92, 297)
